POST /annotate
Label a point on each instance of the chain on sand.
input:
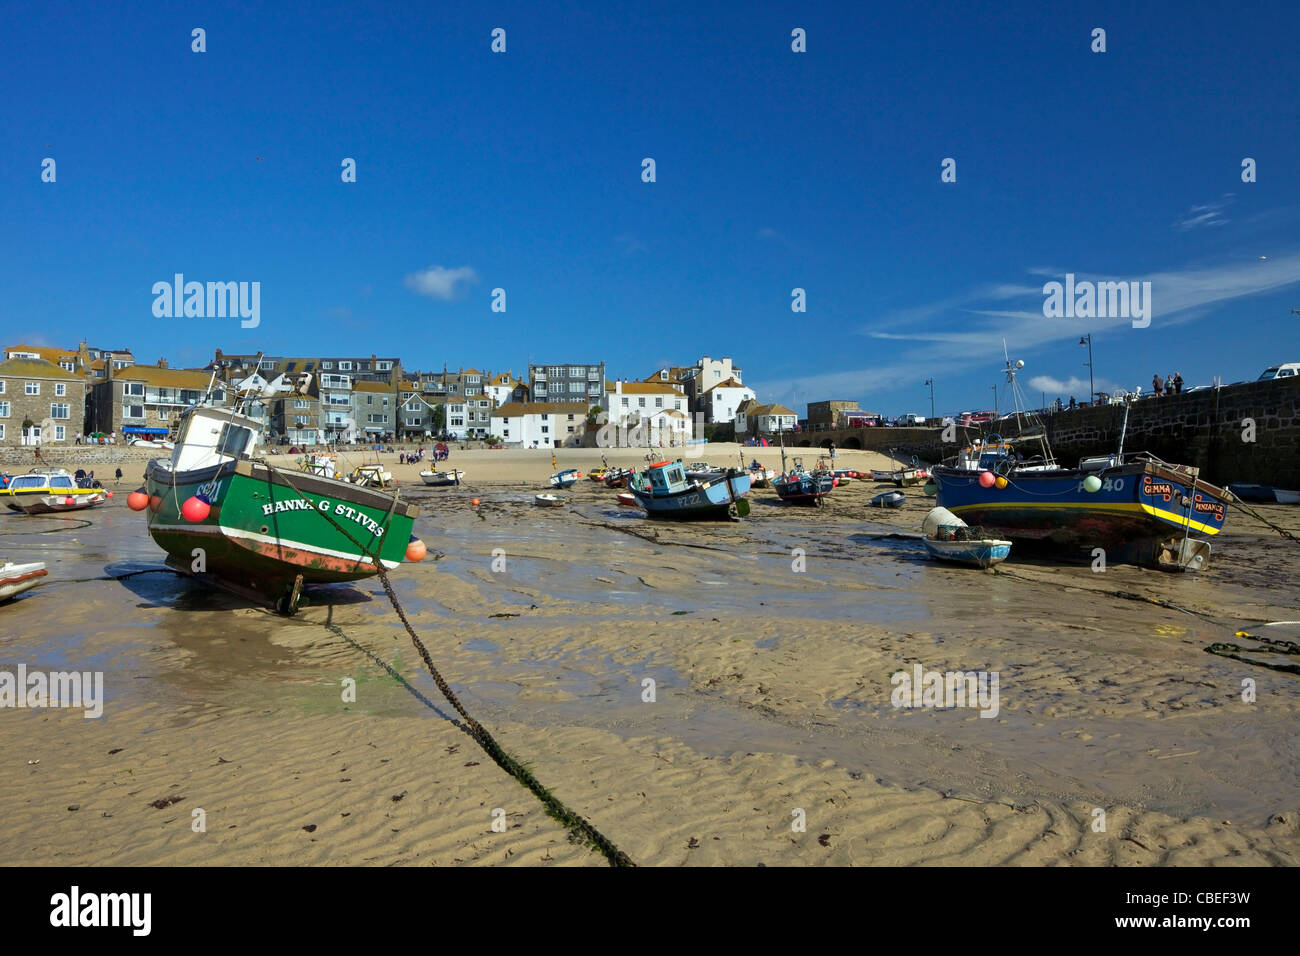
(575, 822)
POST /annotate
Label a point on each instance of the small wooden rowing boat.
(889, 499)
(17, 578)
(948, 538)
(442, 479)
(548, 501)
(627, 499)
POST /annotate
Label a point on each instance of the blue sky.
(775, 170)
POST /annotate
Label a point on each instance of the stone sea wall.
(1239, 433)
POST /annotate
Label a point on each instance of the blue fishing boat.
(565, 479)
(664, 491)
(1139, 511)
(799, 486)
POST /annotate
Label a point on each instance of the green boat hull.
(265, 529)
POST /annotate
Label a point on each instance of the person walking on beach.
(1157, 385)
(117, 479)
(832, 450)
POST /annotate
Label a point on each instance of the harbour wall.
(1238, 433)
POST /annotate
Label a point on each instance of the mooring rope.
(1237, 502)
(554, 807)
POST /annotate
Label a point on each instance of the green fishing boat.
(242, 524)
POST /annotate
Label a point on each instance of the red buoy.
(137, 500)
(195, 509)
(415, 551)
(69, 501)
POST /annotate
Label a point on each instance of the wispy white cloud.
(1210, 214)
(438, 282)
(767, 232)
(1074, 386)
(979, 327)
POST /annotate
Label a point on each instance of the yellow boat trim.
(1099, 506)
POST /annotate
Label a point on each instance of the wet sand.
(772, 694)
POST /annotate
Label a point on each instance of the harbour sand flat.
(772, 696)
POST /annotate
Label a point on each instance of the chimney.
(162, 363)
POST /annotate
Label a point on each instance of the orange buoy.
(137, 500)
(69, 501)
(195, 509)
(415, 551)
(475, 502)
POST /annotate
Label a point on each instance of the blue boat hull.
(1138, 513)
(804, 491)
(980, 554)
(711, 503)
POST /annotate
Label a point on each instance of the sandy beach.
(770, 644)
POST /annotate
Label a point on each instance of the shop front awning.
(145, 431)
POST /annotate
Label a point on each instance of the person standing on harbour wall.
(1157, 385)
(1178, 383)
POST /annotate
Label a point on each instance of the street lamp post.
(930, 382)
(1092, 391)
(996, 410)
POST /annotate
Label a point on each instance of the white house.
(721, 401)
(539, 424)
(630, 402)
(764, 419)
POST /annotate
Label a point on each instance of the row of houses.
(54, 395)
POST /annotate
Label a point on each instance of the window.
(133, 389)
(345, 366)
(2, 432)
(60, 390)
(546, 429)
(32, 388)
(301, 403)
(60, 433)
(545, 418)
(625, 401)
(641, 402)
(133, 411)
(659, 401)
(67, 366)
(4, 409)
(326, 364)
(370, 399)
(384, 366)
(570, 419)
(2, 386)
(570, 429)
(577, 371)
(717, 373)
(59, 410)
(233, 441)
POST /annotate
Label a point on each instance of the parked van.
(1288, 370)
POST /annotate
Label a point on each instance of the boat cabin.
(38, 482)
(666, 478)
(210, 437)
